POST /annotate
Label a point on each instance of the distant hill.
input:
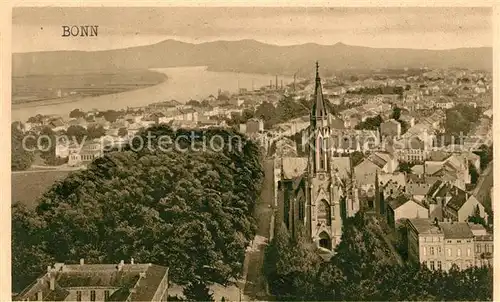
(249, 56)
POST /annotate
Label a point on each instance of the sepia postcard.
(239, 153)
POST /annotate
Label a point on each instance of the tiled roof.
(94, 276)
(396, 202)
(458, 199)
(293, 166)
(456, 230)
(342, 165)
(424, 226)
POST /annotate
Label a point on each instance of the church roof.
(293, 166)
(319, 108)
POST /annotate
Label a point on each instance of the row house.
(483, 245)
(440, 245)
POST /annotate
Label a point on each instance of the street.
(256, 284)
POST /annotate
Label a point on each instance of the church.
(318, 192)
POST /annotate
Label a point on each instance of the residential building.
(390, 128)
(99, 282)
(440, 245)
(404, 207)
(462, 205)
(483, 245)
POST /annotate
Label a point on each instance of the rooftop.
(131, 282)
(456, 230)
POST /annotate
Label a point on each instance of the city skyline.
(415, 28)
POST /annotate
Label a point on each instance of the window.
(468, 241)
(424, 263)
(468, 252)
(92, 295)
(449, 252)
(449, 241)
(459, 252)
(439, 250)
(425, 251)
(106, 295)
(478, 248)
(439, 265)
(459, 241)
(432, 265)
(78, 295)
(431, 250)
(36, 297)
(449, 265)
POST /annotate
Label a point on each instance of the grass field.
(27, 187)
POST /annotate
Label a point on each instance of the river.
(183, 84)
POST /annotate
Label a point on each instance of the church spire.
(319, 110)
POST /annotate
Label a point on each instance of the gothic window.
(301, 210)
(325, 212)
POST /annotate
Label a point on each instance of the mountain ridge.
(250, 56)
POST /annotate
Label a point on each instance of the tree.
(396, 113)
(110, 115)
(95, 131)
(76, 132)
(194, 103)
(474, 175)
(76, 113)
(122, 132)
(198, 291)
(186, 210)
(405, 167)
(354, 78)
(21, 158)
(407, 87)
(371, 123)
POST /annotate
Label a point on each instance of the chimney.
(82, 261)
(131, 260)
(52, 281)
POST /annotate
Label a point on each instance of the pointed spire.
(319, 107)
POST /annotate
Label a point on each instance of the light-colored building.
(86, 153)
(404, 207)
(439, 245)
(99, 282)
(483, 243)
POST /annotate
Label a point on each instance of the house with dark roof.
(99, 282)
(462, 205)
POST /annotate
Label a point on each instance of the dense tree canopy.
(188, 210)
(21, 158)
(365, 268)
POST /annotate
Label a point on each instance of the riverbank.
(183, 84)
(39, 90)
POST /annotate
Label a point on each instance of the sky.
(40, 29)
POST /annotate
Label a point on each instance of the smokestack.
(82, 261)
(281, 84)
(276, 82)
(52, 281)
(270, 83)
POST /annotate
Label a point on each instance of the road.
(38, 169)
(255, 286)
(484, 183)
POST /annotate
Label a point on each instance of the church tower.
(324, 189)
